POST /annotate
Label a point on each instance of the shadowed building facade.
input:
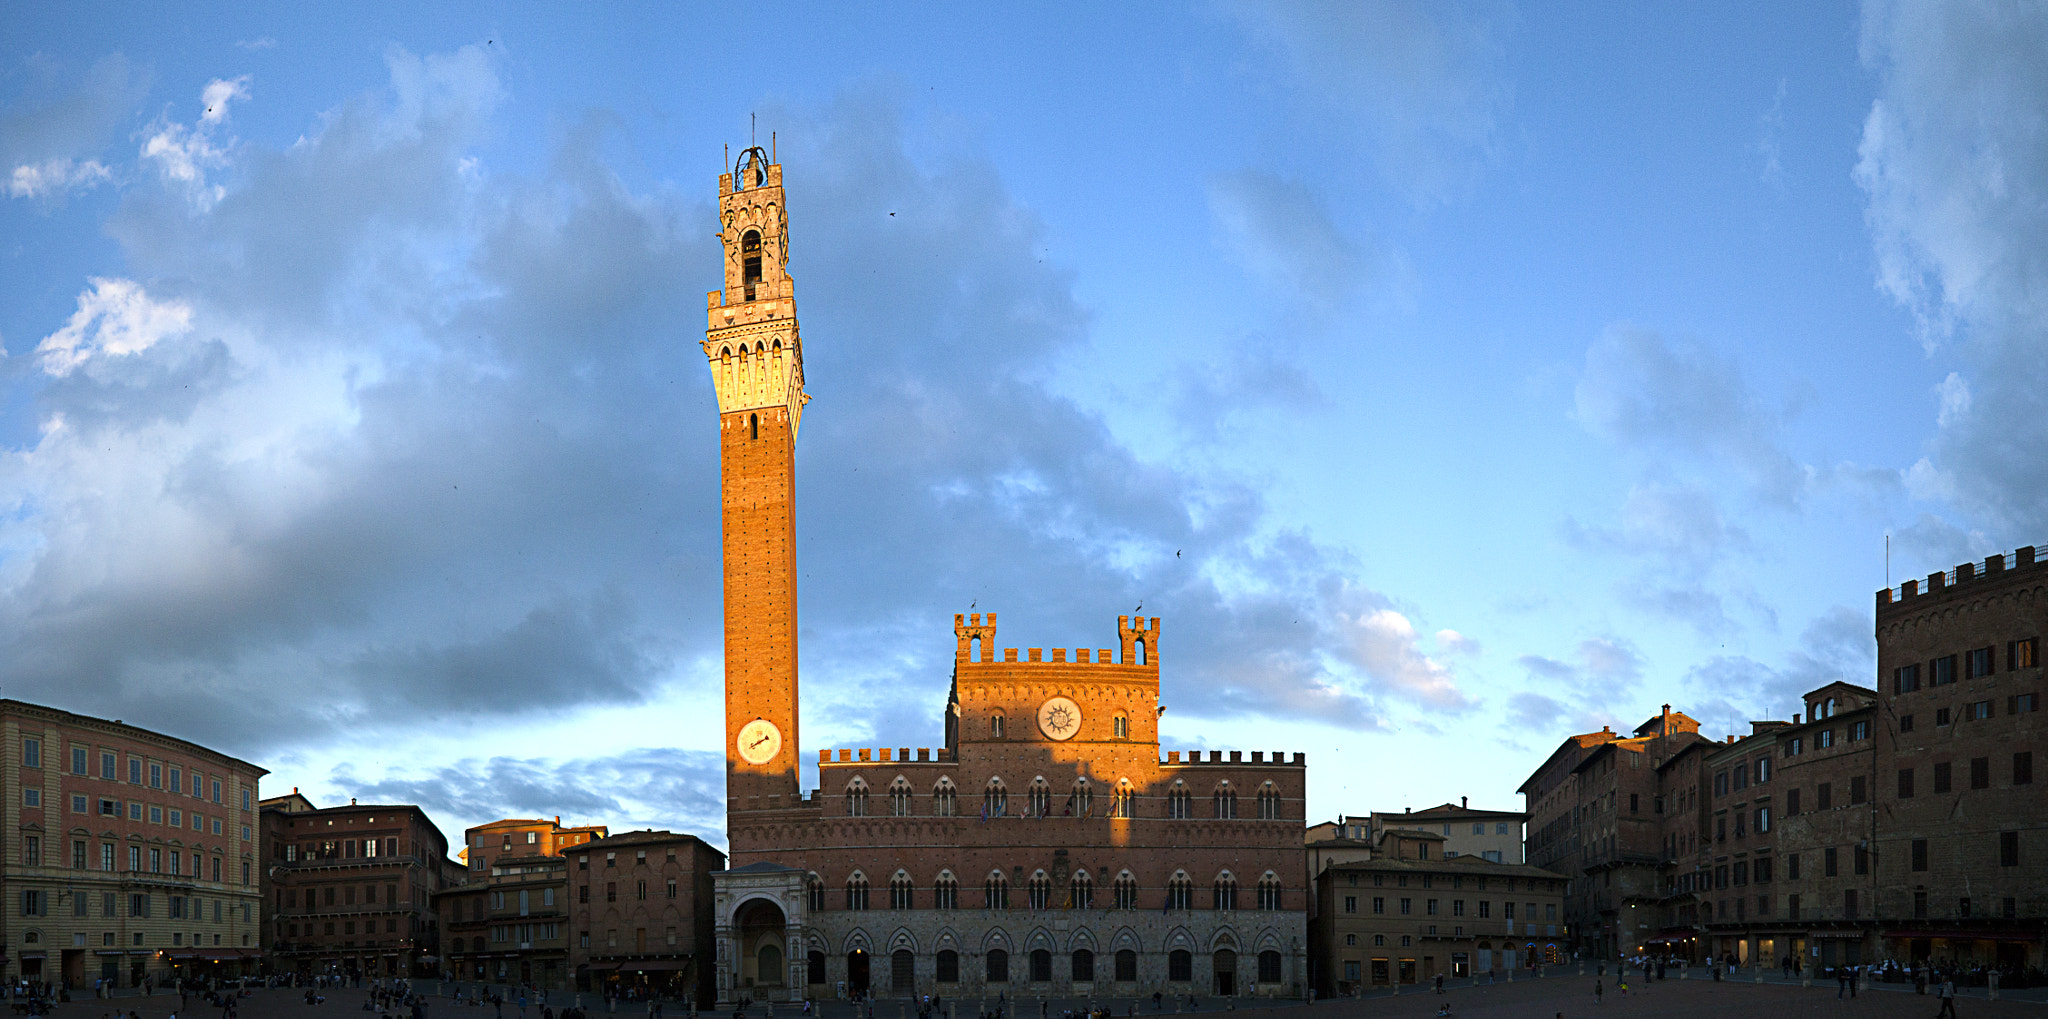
(1047, 847)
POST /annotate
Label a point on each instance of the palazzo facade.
(1048, 848)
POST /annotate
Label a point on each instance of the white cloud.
(115, 317)
(216, 96)
(55, 176)
(184, 155)
(1281, 232)
(1954, 163)
(1384, 643)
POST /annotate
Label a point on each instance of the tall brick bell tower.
(757, 367)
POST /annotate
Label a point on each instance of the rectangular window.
(1905, 679)
(1859, 731)
(2023, 654)
(1905, 783)
(1823, 796)
(156, 776)
(79, 757)
(1350, 903)
(1857, 792)
(1905, 723)
(1940, 777)
(1763, 819)
(1407, 907)
(1978, 663)
(1943, 671)
(2019, 704)
(1827, 862)
(177, 783)
(1980, 772)
(1940, 716)
(1761, 870)
(108, 770)
(2008, 849)
(2022, 767)
(1791, 802)
(31, 797)
(1485, 909)
(31, 753)
(1797, 747)
(1826, 738)
(1763, 770)
(1849, 903)
(1792, 867)
(1862, 858)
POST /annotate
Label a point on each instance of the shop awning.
(601, 967)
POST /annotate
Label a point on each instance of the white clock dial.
(759, 741)
(1059, 718)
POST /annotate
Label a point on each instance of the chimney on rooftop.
(1464, 801)
(1666, 731)
(1407, 810)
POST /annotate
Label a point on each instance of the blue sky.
(1449, 378)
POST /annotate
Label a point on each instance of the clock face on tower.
(1059, 718)
(759, 741)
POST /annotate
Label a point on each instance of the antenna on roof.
(1887, 558)
(753, 131)
(771, 147)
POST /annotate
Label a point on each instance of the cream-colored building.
(129, 853)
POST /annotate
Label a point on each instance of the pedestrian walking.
(1947, 993)
(1598, 991)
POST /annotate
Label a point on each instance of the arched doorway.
(857, 972)
(1225, 963)
(763, 972)
(903, 973)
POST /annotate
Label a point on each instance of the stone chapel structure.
(1048, 849)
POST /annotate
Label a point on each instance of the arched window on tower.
(995, 891)
(857, 891)
(945, 799)
(995, 800)
(900, 891)
(1081, 802)
(995, 726)
(750, 262)
(814, 893)
(1139, 646)
(1120, 726)
(857, 798)
(899, 797)
(946, 891)
(1081, 890)
(753, 426)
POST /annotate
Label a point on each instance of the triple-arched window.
(1040, 798)
(945, 799)
(1126, 891)
(857, 798)
(1269, 891)
(946, 891)
(1081, 891)
(995, 891)
(1226, 801)
(857, 891)
(1040, 890)
(900, 891)
(1269, 802)
(1180, 891)
(1178, 801)
(899, 797)
(995, 799)
(1224, 892)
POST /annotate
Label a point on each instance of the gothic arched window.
(1081, 891)
(945, 801)
(857, 798)
(1226, 801)
(1040, 890)
(1126, 891)
(899, 797)
(1225, 892)
(857, 891)
(1269, 891)
(900, 891)
(946, 891)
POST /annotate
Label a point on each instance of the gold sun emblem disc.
(1059, 718)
